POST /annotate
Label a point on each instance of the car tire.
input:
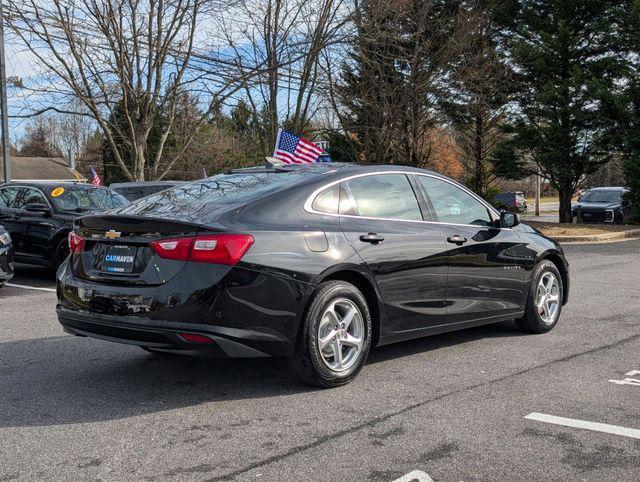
(334, 304)
(60, 254)
(544, 301)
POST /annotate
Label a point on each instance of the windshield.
(600, 196)
(85, 198)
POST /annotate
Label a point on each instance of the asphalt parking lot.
(456, 406)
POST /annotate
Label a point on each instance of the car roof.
(608, 188)
(145, 183)
(46, 184)
(333, 167)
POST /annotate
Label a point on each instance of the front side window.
(454, 205)
(31, 196)
(387, 196)
(7, 196)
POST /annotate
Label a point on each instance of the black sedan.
(39, 216)
(602, 205)
(6, 257)
(316, 263)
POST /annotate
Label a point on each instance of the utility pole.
(6, 167)
(537, 191)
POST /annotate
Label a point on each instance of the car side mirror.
(509, 220)
(38, 208)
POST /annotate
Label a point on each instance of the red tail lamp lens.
(193, 338)
(225, 249)
(173, 248)
(76, 242)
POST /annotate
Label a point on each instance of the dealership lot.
(451, 406)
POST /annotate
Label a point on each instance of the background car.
(514, 202)
(39, 216)
(602, 205)
(136, 190)
(6, 257)
(316, 263)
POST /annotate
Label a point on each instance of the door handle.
(373, 238)
(457, 239)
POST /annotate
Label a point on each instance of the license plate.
(119, 259)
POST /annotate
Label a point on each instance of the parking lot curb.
(594, 238)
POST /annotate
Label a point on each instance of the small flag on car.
(292, 149)
(95, 179)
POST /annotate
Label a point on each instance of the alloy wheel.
(341, 334)
(548, 298)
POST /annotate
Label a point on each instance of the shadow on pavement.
(66, 380)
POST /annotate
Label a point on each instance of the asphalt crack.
(375, 421)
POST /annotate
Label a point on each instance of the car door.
(9, 214)
(381, 216)
(35, 228)
(486, 266)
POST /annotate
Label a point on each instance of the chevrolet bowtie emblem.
(111, 234)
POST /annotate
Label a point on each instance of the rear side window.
(327, 201)
(387, 196)
(454, 205)
(7, 196)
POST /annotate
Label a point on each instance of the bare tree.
(477, 96)
(283, 41)
(128, 62)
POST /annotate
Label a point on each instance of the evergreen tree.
(630, 102)
(566, 71)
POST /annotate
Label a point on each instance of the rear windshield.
(601, 196)
(85, 198)
(198, 200)
(136, 192)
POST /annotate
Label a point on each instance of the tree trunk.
(565, 193)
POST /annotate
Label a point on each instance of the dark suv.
(514, 202)
(39, 216)
(602, 205)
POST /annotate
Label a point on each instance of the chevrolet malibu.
(315, 263)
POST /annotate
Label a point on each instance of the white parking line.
(598, 427)
(25, 287)
(416, 475)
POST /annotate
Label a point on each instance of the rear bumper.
(225, 341)
(246, 314)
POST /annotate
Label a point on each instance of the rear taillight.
(76, 243)
(219, 249)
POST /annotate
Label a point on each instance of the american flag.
(292, 149)
(95, 179)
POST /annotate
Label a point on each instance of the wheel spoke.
(553, 298)
(348, 318)
(543, 307)
(352, 340)
(327, 339)
(548, 283)
(549, 309)
(337, 353)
